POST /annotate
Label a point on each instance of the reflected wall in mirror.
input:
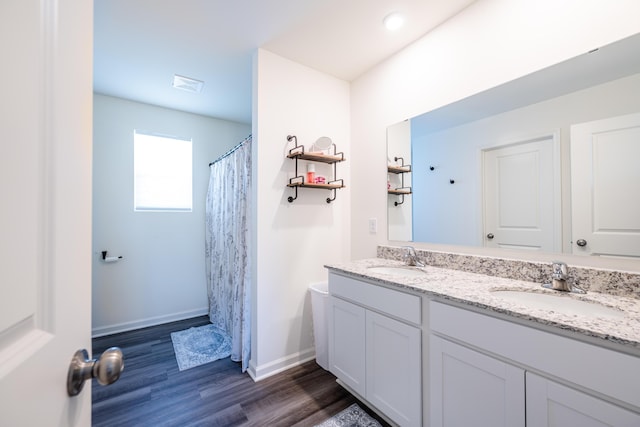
(462, 152)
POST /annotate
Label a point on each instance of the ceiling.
(140, 44)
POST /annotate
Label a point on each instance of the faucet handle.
(560, 270)
(409, 255)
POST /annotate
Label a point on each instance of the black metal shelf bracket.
(339, 182)
(291, 199)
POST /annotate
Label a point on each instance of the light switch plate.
(373, 225)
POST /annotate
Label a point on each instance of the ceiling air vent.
(188, 84)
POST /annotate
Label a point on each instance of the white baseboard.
(150, 321)
(266, 370)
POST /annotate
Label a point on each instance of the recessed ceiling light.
(187, 83)
(393, 21)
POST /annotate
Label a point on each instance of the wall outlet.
(373, 225)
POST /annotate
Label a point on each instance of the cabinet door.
(551, 404)
(347, 343)
(471, 389)
(393, 360)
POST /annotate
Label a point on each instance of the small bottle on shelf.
(311, 173)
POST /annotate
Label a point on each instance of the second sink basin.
(397, 271)
(564, 304)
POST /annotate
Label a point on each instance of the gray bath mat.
(353, 416)
(200, 345)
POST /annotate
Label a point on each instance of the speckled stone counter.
(479, 290)
(597, 280)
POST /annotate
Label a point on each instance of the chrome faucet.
(560, 279)
(559, 276)
(410, 257)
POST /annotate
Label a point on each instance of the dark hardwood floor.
(153, 392)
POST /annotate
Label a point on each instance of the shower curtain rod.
(231, 151)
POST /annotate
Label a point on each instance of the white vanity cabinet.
(375, 346)
(489, 371)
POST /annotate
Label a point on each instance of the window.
(162, 173)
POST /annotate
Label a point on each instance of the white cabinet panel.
(471, 389)
(550, 404)
(393, 378)
(347, 343)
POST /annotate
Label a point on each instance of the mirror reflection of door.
(522, 195)
(604, 160)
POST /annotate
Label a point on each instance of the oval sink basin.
(564, 304)
(397, 271)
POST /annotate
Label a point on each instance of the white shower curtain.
(227, 254)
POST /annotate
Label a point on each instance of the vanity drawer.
(394, 303)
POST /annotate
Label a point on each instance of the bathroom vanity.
(439, 347)
(375, 346)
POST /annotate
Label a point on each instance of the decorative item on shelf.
(311, 180)
(399, 170)
(324, 143)
(311, 173)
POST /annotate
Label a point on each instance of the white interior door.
(45, 220)
(605, 187)
(522, 195)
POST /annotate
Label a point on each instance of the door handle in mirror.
(106, 369)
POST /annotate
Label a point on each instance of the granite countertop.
(476, 290)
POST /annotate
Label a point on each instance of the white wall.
(487, 44)
(293, 240)
(162, 275)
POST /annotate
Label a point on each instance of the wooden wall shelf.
(399, 169)
(298, 181)
(319, 186)
(399, 191)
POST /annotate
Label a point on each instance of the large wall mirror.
(546, 162)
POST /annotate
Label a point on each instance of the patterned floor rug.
(353, 416)
(197, 346)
